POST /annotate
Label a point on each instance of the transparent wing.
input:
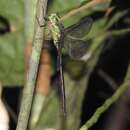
(80, 29)
(76, 48)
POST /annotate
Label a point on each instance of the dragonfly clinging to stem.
(71, 40)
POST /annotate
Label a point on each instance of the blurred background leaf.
(20, 16)
(12, 43)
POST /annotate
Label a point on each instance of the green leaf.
(58, 6)
(103, 6)
(12, 44)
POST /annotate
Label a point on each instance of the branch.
(118, 32)
(33, 66)
(108, 102)
(108, 79)
(82, 8)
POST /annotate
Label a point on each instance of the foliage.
(12, 44)
(22, 29)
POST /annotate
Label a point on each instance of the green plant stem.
(108, 102)
(118, 32)
(90, 4)
(33, 66)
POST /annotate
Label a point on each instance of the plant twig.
(108, 102)
(82, 8)
(107, 78)
(33, 66)
(118, 32)
(115, 32)
(10, 111)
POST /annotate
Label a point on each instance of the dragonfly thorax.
(54, 27)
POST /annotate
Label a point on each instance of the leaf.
(103, 6)
(12, 44)
(54, 5)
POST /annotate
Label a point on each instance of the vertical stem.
(33, 66)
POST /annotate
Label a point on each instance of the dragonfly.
(71, 40)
